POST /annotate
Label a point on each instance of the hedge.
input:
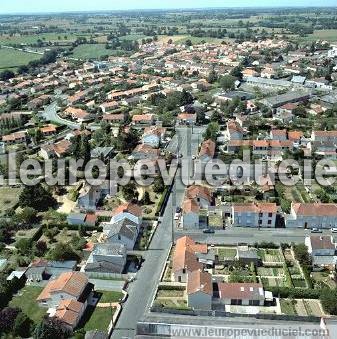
(171, 287)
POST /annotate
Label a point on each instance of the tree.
(227, 82)
(24, 246)
(41, 248)
(212, 131)
(36, 197)
(51, 328)
(212, 77)
(301, 254)
(328, 299)
(27, 215)
(7, 319)
(130, 191)
(63, 251)
(6, 75)
(158, 185)
(146, 200)
(22, 326)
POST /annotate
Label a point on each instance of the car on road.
(316, 230)
(178, 210)
(334, 230)
(208, 231)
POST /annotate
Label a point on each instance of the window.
(269, 222)
(270, 215)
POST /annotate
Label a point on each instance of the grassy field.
(287, 307)
(97, 318)
(110, 296)
(91, 51)
(9, 197)
(10, 58)
(26, 300)
(33, 38)
(323, 34)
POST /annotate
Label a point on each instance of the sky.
(40, 6)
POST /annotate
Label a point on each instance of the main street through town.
(142, 290)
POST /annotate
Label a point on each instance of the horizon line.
(161, 9)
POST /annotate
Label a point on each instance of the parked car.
(177, 216)
(316, 230)
(208, 230)
(178, 210)
(334, 230)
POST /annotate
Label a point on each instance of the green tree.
(24, 246)
(22, 326)
(328, 299)
(51, 328)
(63, 251)
(212, 131)
(130, 191)
(227, 82)
(36, 197)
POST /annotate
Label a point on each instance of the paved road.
(50, 114)
(142, 290)
(234, 235)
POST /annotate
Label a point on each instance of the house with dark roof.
(107, 258)
(322, 249)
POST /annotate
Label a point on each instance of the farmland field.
(324, 34)
(10, 58)
(91, 51)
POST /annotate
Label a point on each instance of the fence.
(211, 313)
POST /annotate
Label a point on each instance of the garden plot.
(271, 255)
(274, 282)
(313, 307)
(270, 271)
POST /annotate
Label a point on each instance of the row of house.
(203, 292)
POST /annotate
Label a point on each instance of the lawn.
(110, 296)
(97, 318)
(26, 300)
(91, 51)
(227, 252)
(10, 58)
(287, 307)
(9, 196)
(177, 293)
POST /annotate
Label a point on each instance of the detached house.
(207, 150)
(143, 119)
(144, 151)
(66, 297)
(107, 258)
(153, 136)
(124, 226)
